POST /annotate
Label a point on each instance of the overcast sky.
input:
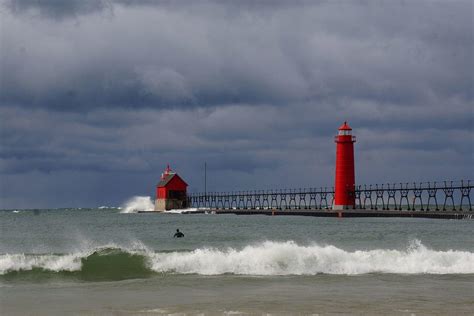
(96, 97)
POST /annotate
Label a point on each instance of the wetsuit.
(179, 234)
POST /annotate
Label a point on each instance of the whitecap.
(289, 258)
(138, 204)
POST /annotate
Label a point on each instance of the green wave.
(108, 264)
(114, 264)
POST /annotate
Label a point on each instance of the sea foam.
(266, 258)
(145, 204)
(289, 258)
(138, 203)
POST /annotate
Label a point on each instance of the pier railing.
(414, 196)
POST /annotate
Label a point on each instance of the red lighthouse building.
(345, 172)
(170, 191)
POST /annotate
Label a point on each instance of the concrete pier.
(343, 213)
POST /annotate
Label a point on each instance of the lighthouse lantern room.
(344, 185)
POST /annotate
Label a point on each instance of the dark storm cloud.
(115, 90)
(202, 55)
(57, 9)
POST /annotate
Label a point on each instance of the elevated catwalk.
(420, 198)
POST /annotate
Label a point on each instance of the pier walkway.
(442, 199)
(341, 214)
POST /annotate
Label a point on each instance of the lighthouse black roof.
(166, 178)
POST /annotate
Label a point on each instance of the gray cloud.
(57, 9)
(200, 55)
(116, 89)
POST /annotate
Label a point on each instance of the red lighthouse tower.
(345, 172)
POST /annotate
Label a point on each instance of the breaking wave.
(99, 265)
(267, 258)
(145, 204)
(185, 210)
(138, 203)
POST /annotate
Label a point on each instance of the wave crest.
(138, 203)
(288, 258)
(100, 264)
(267, 258)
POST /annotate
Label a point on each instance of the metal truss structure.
(415, 196)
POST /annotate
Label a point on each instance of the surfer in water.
(178, 234)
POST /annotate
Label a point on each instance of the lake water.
(99, 261)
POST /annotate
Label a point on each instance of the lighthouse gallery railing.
(416, 196)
